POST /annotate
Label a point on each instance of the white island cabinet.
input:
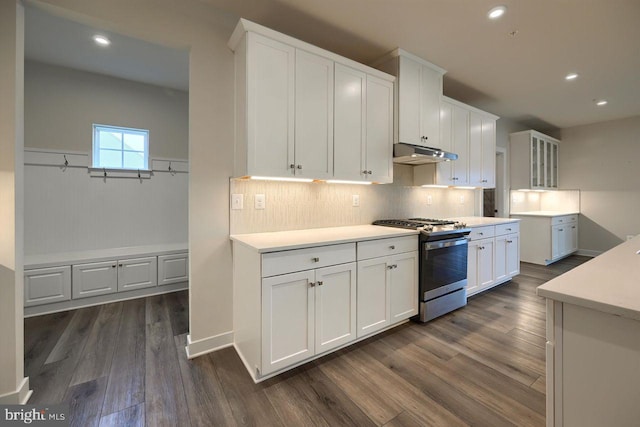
(301, 294)
(547, 236)
(593, 341)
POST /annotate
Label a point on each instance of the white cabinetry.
(494, 256)
(293, 305)
(417, 100)
(107, 277)
(546, 239)
(363, 126)
(310, 311)
(299, 108)
(47, 285)
(469, 133)
(533, 160)
(173, 268)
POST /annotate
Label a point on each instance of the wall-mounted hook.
(170, 170)
(105, 172)
(66, 162)
(139, 177)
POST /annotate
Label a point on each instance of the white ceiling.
(520, 77)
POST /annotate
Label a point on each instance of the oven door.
(443, 267)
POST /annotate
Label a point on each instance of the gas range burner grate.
(432, 221)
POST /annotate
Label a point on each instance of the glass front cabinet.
(534, 161)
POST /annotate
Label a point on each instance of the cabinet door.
(430, 94)
(270, 107)
(486, 263)
(47, 285)
(173, 268)
(137, 273)
(409, 96)
(475, 149)
(373, 295)
(379, 130)
(460, 146)
(501, 249)
(536, 158)
(349, 124)
(335, 306)
(558, 241)
(512, 254)
(573, 240)
(287, 320)
(554, 167)
(488, 164)
(404, 286)
(97, 278)
(313, 116)
(473, 267)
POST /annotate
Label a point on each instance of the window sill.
(120, 173)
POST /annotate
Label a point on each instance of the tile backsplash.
(293, 205)
(557, 200)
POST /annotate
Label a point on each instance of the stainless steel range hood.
(409, 154)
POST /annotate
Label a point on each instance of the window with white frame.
(120, 148)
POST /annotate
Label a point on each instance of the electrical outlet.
(429, 200)
(237, 201)
(260, 201)
(462, 200)
(355, 200)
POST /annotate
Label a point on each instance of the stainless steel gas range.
(443, 263)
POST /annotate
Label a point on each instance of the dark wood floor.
(124, 364)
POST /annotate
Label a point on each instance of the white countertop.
(609, 283)
(295, 239)
(545, 213)
(479, 221)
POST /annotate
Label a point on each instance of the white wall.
(14, 386)
(66, 210)
(603, 161)
(61, 105)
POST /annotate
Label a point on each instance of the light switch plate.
(260, 201)
(237, 201)
(355, 200)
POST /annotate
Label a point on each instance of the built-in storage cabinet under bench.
(294, 305)
(86, 281)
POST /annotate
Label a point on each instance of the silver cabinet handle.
(315, 259)
(319, 283)
(392, 247)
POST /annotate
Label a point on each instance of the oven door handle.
(439, 244)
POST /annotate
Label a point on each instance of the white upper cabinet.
(482, 150)
(533, 160)
(417, 103)
(303, 112)
(454, 132)
(363, 126)
(313, 152)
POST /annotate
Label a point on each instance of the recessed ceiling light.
(571, 76)
(101, 40)
(601, 103)
(497, 12)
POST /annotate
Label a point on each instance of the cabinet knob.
(424, 137)
(315, 259)
(480, 233)
(312, 284)
(113, 266)
(395, 265)
(573, 226)
(509, 241)
(292, 166)
(364, 172)
(119, 265)
(480, 247)
(392, 247)
(560, 229)
(319, 283)
(389, 267)
(299, 167)
(484, 180)
(508, 229)
(369, 172)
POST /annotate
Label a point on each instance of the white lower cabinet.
(493, 257)
(47, 285)
(286, 312)
(101, 278)
(546, 239)
(173, 268)
(137, 273)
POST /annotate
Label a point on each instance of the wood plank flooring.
(124, 364)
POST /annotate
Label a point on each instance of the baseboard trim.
(587, 252)
(208, 345)
(18, 397)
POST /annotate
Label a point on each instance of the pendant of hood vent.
(409, 154)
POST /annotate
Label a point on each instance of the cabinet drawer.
(384, 247)
(97, 278)
(47, 285)
(564, 219)
(512, 227)
(482, 232)
(173, 268)
(275, 263)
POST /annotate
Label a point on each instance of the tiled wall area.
(292, 205)
(560, 200)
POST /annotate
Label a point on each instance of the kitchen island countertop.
(609, 283)
(545, 213)
(295, 239)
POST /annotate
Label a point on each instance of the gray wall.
(603, 161)
(61, 104)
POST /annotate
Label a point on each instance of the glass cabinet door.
(535, 162)
(548, 164)
(554, 169)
